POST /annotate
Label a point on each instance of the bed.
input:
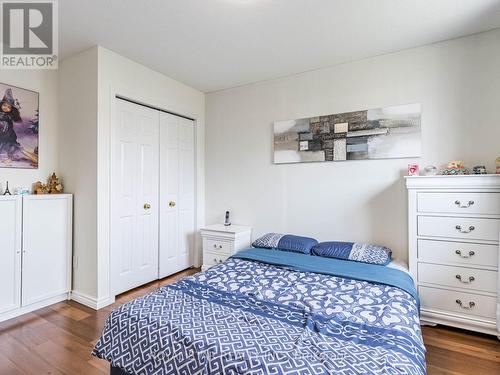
(271, 312)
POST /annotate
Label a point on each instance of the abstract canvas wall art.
(389, 132)
(18, 127)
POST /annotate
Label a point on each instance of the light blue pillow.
(285, 242)
(359, 252)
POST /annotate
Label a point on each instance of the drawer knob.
(467, 205)
(467, 255)
(459, 228)
(465, 280)
(467, 307)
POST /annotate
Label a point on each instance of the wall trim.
(90, 301)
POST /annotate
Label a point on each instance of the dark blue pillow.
(333, 249)
(356, 251)
(286, 242)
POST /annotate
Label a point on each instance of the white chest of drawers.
(220, 242)
(454, 234)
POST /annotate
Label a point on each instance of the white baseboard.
(34, 306)
(90, 301)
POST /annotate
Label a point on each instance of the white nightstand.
(220, 242)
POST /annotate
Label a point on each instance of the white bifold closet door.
(153, 199)
(177, 194)
(135, 187)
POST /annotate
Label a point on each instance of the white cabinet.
(10, 253)
(220, 242)
(35, 248)
(454, 226)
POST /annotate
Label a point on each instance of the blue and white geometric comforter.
(246, 317)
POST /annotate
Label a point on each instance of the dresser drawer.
(458, 277)
(217, 246)
(458, 252)
(211, 259)
(457, 302)
(467, 203)
(458, 227)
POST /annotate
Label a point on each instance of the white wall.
(78, 160)
(45, 83)
(89, 82)
(119, 75)
(458, 84)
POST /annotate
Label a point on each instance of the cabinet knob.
(467, 307)
(466, 205)
(171, 204)
(147, 206)
(459, 228)
(467, 255)
(465, 280)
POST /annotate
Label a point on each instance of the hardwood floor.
(58, 340)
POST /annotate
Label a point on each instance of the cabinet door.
(10, 253)
(46, 247)
(177, 194)
(134, 205)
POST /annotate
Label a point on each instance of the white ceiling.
(216, 44)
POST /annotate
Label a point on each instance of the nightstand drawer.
(457, 252)
(458, 277)
(217, 246)
(457, 302)
(211, 259)
(461, 202)
(458, 227)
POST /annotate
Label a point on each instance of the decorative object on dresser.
(479, 169)
(430, 170)
(454, 226)
(35, 252)
(455, 167)
(497, 162)
(413, 170)
(220, 242)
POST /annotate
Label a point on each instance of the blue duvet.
(271, 312)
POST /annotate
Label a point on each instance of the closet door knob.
(171, 204)
(147, 206)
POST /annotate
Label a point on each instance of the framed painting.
(389, 132)
(18, 127)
